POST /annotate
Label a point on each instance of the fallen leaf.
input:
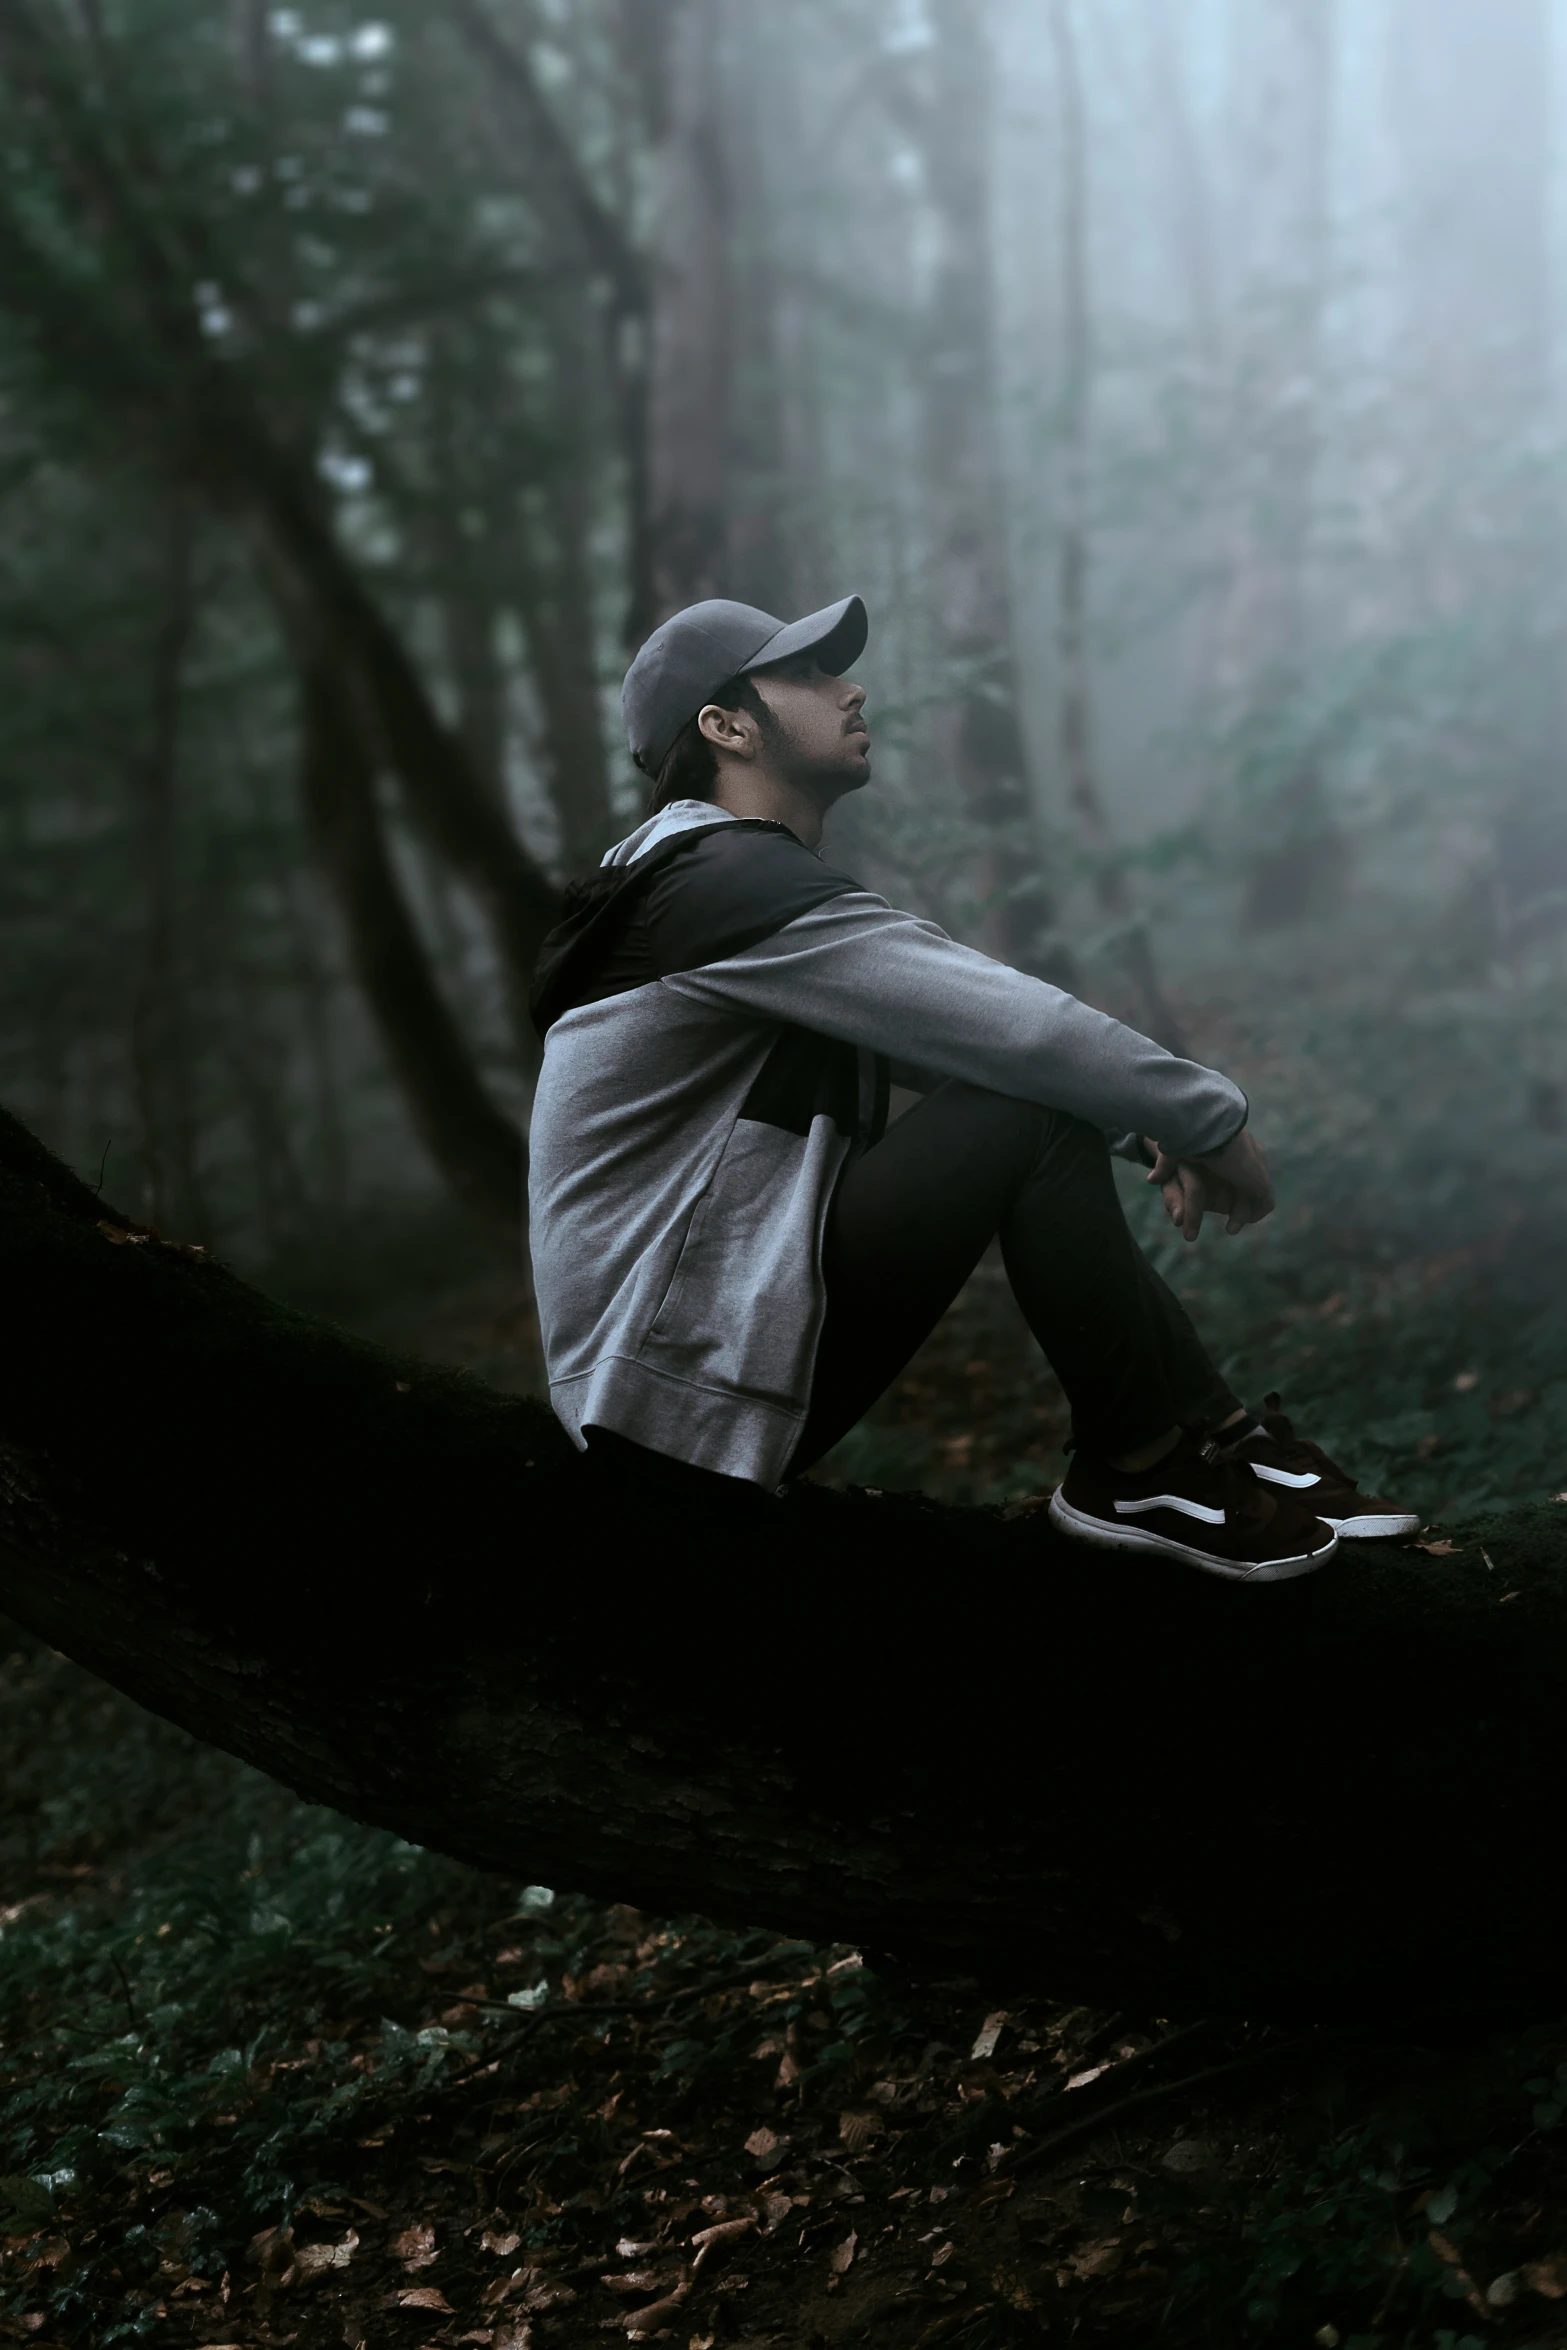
(857, 2129)
(841, 2260)
(1547, 2277)
(990, 2032)
(632, 2280)
(1096, 2260)
(424, 2297)
(776, 2208)
(313, 2260)
(1439, 1550)
(503, 2245)
(764, 2143)
(940, 2257)
(1081, 2080)
(415, 2247)
(545, 2295)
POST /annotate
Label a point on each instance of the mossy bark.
(850, 1715)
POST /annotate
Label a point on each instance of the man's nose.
(854, 697)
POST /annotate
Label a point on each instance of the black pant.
(909, 1221)
(913, 1215)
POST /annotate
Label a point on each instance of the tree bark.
(979, 732)
(159, 1040)
(847, 1715)
(331, 617)
(1281, 235)
(1075, 710)
(476, 1148)
(692, 361)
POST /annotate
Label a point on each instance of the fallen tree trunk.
(847, 1715)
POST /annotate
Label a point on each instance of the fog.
(1181, 385)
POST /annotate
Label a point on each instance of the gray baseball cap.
(684, 662)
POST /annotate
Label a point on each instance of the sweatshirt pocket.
(743, 1305)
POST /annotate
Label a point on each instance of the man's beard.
(807, 771)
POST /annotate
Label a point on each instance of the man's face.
(822, 737)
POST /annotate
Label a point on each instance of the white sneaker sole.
(1374, 1527)
(1083, 1528)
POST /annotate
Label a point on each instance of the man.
(735, 1255)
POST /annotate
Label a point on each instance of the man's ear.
(733, 731)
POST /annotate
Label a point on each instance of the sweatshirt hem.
(717, 1428)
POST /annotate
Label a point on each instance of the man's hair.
(690, 768)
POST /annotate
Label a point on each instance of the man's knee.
(1044, 1132)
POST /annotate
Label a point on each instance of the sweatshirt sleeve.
(857, 969)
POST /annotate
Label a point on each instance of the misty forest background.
(1181, 388)
(1181, 383)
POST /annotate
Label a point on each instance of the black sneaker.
(1198, 1505)
(1292, 1465)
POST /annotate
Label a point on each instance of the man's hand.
(1232, 1183)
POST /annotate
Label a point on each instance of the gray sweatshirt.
(718, 1060)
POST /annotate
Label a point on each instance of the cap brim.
(836, 635)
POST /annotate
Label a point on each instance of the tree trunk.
(980, 739)
(846, 1715)
(476, 1148)
(159, 1038)
(693, 356)
(1279, 220)
(332, 619)
(552, 580)
(1075, 713)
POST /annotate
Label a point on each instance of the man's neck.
(754, 791)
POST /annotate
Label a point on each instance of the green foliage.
(186, 2048)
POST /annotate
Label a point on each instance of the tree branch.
(556, 165)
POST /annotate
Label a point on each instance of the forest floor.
(268, 2078)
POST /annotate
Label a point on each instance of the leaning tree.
(854, 1715)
